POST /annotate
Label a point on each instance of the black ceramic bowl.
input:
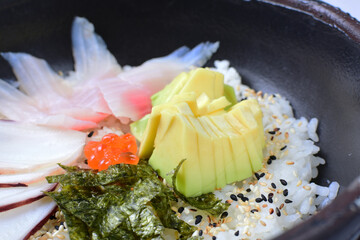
(305, 50)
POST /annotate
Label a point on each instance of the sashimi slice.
(37, 79)
(17, 196)
(26, 147)
(21, 222)
(92, 58)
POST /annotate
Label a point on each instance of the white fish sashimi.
(92, 58)
(19, 223)
(25, 147)
(12, 197)
(31, 177)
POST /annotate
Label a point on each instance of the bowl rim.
(324, 12)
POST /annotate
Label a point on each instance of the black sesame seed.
(283, 148)
(214, 224)
(273, 185)
(200, 233)
(181, 209)
(224, 215)
(270, 195)
(262, 175)
(245, 98)
(274, 95)
(193, 210)
(237, 233)
(263, 197)
(272, 157)
(272, 132)
(86, 161)
(233, 197)
(288, 201)
(57, 227)
(276, 129)
(270, 200)
(240, 195)
(258, 200)
(52, 217)
(213, 238)
(244, 199)
(278, 213)
(198, 219)
(285, 192)
(248, 190)
(283, 182)
(257, 176)
(91, 133)
(269, 161)
(253, 210)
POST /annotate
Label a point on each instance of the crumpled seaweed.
(122, 202)
(207, 202)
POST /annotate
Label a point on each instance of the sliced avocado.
(241, 158)
(227, 159)
(229, 93)
(218, 153)
(217, 104)
(206, 156)
(254, 106)
(255, 156)
(166, 156)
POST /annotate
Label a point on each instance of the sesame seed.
(269, 161)
(200, 232)
(213, 225)
(278, 213)
(271, 211)
(273, 185)
(262, 175)
(283, 148)
(193, 210)
(271, 132)
(257, 176)
(263, 197)
(288, 201)
(240, 195)
(237, 233)
(307, 188)
(281, 206)
(90, 134)
(270, 200)
(270, 195)
(248, 190)
(264, 205)
(272, 138)
(213, 238)
(263, 184)
(263, 223)
(198, 219)
(276, 129)
(224, 215)
(244, 199)
(253, 210)
(272, 157)
(233, 197)
(283, 182)
(285, 192)
(258, 200)
(299, 183)
(181, 209)
(289, 162)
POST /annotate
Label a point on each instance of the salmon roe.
(111, 150)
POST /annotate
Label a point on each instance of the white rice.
(296, 164)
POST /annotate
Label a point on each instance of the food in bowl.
(124, 196)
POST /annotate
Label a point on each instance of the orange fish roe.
(111, 150)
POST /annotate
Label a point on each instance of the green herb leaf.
(207, 202)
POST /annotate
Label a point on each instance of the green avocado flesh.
(220, 146)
